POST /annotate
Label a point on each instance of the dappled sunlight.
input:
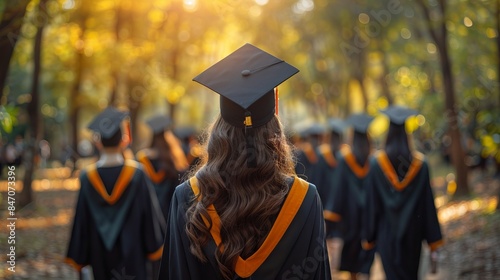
(55, 173)
(456, 210)
(40, 185)
(63, 61)
(61, 218)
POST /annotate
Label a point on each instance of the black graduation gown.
(116, 234)
(347, 206)
(295, 248)
(327, 170)
(164, 186)
(400, 215)
(306, 166)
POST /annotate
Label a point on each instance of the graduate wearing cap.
(190, 144)
(307, 157)
(164, 161)
(244, 214)
(400, 203)
(328, 155)
(347, 203)
(117, 223)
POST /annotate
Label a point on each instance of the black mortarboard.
(399, 114)
(185, 131)
(314, 129)
(360, 122)
(159, 124)
(108, 122)
(336, 125)
(245, 81)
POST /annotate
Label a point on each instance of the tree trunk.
(364, 94)
(171, 111)
(498, 50)
(115, 75)
(174, 76)
(134, 105)
(34, 131)
(10, 28)
(498, 80)
(75, 91)
(347, 95)
(440, 37)
(358, 73)
(457, 151)
(384, 83)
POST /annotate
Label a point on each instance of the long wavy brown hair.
(247, 199)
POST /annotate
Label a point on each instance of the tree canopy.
(353, 56)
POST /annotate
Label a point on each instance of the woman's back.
(244, 214)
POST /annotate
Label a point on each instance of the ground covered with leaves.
(472, 249)
(471, 228)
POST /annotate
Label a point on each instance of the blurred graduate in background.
(117, 228)
(307, 157)
(329, 154)
(164, 161)
(190, 144)
(400, 202)
(347, 203)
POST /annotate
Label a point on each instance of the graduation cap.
(185, 131)
(159, 124)
(360, 122)
(245, 81)
(314, 129)
(399, 114)
(336, 125)
(108, 122)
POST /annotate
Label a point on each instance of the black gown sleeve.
(78, 254)
(432, 228)
(176, 259)
(305, 252)
(154, 223)
(323, 272)
(338, 197)
(373, 204)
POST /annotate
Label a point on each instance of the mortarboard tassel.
(276, 100)
(250, 141)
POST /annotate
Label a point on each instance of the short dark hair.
(112, 141)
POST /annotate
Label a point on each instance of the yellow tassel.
(248, 121)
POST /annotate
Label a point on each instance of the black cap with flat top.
(108, 122)
(360, 122)
(183, 132)
(245, 81)
(314, 129)
(399, 114)
(159, 124)
(336, 125)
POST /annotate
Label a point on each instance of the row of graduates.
(243, 215)
(124, 199)
(373, 200)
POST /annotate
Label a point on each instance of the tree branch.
(427, 15)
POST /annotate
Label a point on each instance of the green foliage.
(7, 117)
(148, 52)
(8, 121)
